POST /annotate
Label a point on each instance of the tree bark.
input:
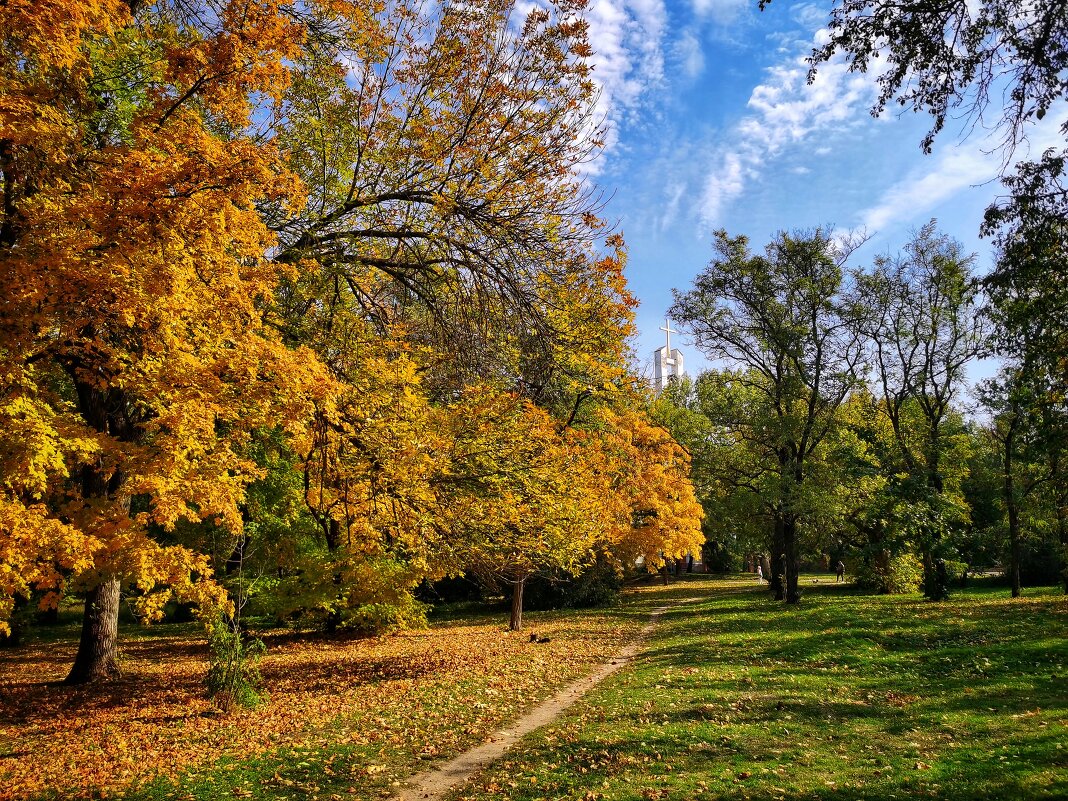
(778, 560)
(516, 621)
(106, 412)
(789, 529)
(1014, 520)
(97, 658)
(1062, 531)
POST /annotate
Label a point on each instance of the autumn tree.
(781, 321)
(921, 313)
(136, 358)
(442, 146)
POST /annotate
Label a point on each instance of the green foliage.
(597, 585)
(956, 571)
(890, 574)
(234, 678)
(405, 612)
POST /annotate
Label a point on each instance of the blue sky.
(713, 125)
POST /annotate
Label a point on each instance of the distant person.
(760, 574)
(839, 571)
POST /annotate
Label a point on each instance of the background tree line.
(841, 424)
(840, 421)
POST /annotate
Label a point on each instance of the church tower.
(667, 361)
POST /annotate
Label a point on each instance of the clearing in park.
(847, 696)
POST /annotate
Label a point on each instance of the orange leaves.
(224, 67)
(37, 551)
(443, 689)
(655, 510)
(50, 34)
(136, 359)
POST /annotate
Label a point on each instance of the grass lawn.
(846, 697)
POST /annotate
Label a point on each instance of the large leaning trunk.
(97, 658)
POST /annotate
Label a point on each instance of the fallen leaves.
(425, 693)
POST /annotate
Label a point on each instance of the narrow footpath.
(436, 782)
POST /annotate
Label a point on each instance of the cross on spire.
(667, 329)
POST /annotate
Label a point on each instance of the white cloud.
(722, 12)
(950, 171)
(627, 41)
(925, 188)
(809, 15)
(724, 184)
(785, 110)
(626, 37)
(689, 54)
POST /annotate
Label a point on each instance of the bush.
(379, 618)
(890, 574)
(597, 585)
(234, 678)
(957, 572)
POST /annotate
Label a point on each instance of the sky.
(713, 125)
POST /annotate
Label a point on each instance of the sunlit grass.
(847, 696)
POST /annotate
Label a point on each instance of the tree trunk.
(776, 579)
(97, 658)
(1062, 530)
(106, 412)
(1014, 521)
(930, 582)
(789, 530)
(516, 622)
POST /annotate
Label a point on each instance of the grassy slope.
(846, 697)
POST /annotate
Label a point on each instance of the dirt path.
(434, 783)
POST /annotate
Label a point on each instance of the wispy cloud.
(721, 12)
(688, 54)
(951, 170)
(627, 40)
(784, 110)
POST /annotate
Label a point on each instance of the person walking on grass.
(760, 574)
(839, 571)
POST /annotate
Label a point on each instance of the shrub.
(234, 678)
(597, 585)
(890, 574)
(957, 572)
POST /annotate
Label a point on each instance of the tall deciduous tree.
(134, 356)
(442, 146)
(922, 313)
(781, 320)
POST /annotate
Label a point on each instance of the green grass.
(735, 696)
(846, 697)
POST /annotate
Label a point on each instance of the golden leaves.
(459, 684)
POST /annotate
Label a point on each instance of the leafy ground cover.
(845, 697)
(344, 716)
(848, 696)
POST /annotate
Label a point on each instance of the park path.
(433, 784)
